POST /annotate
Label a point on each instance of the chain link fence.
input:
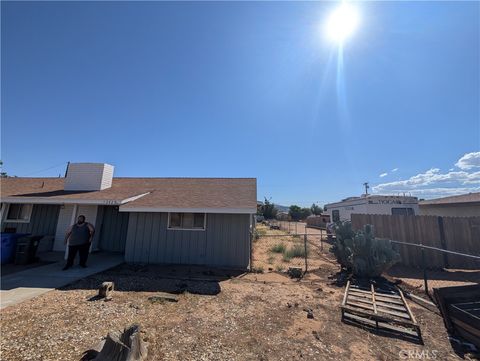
(420, 271)
(281, 245)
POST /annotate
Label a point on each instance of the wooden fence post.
(424, 265)
(443, 242)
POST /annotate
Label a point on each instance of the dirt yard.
(276, 250)
(240, 317)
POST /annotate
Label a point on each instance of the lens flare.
(342, 23)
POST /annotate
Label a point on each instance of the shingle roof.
(464, 198)
(52, 189)
(218, 193)
(198, 193)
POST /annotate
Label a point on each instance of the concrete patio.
(32, 282)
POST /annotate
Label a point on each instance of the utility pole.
(366, 188)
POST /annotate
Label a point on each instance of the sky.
(246, 89)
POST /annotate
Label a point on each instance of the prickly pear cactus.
(361, 253)
(343, 247)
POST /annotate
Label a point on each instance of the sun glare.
(342, 23)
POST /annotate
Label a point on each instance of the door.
(113, 233)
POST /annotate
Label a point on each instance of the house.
(319, 221)
(372, 204)
(203, 221)
(283, 216)
(465, 205)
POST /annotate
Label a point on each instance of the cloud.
(394, 170)
(383, 175)
(469, 161)
(434, 183)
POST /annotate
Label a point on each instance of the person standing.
(79, 238)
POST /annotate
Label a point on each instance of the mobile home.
(372, 204)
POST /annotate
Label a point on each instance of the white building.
(372, 204)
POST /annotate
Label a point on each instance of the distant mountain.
(278, 206)
(282, 208)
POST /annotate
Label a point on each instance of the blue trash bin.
(9, 245)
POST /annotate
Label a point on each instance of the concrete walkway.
(32, 282)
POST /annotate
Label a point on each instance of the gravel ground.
(248, 317)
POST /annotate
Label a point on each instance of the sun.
(342, 23)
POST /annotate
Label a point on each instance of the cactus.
(360, 253)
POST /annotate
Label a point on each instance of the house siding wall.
(43, 221)
(112, 229)
(224, 243)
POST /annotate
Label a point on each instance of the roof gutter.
(188, 210)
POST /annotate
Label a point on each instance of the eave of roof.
(468, 198)
(65, 200)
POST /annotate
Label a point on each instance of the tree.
(316, 209)
(2, 173)
(305, 213)
(297, 213)
(268, 210)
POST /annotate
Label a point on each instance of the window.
(403, 212)
(189, 221)
(19, 213)
(336, 215)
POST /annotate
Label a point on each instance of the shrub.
(361, 253)
(261, 232)
(258, 269)
(271, 259)
(257, 233)
(295, 251)
(279, 268)
(278, 248)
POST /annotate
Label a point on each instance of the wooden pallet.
(460, 308)
(383, 308)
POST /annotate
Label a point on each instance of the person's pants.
(83, 252)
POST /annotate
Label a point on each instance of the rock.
(295, 272)
(309, 312)
(106, 290)
(163, 297)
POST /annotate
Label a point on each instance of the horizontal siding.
(88, 176)
(43, 221)
(224, 243)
